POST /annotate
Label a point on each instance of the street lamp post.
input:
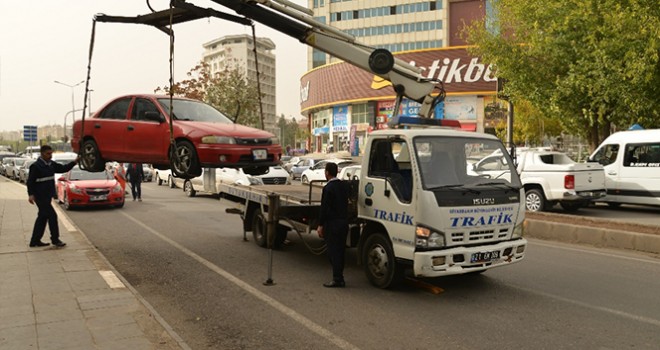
(66, 136)
(73, 105)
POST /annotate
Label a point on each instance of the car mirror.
(153, 116)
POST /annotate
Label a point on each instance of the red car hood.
(220, 129)
(95, 183)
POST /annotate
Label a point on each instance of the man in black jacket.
(135, 174)
(41, 190)
(333, 223)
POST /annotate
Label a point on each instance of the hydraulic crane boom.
(297, 22)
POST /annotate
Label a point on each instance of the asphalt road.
(639, 214)
(186, 257)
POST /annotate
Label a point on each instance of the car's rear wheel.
(90, 157)
(304, 180)
(188, 189)
(159, 181)
(184, 161)
(534, 200)
(170, 181)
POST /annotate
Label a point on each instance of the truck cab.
(423, 205)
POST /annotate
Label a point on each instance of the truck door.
(388, 191)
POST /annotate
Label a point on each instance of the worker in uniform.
(333, 223)
(41, 191)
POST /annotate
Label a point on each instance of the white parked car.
(276, 175)
(349, 172)
(317, 172)
(164, 177)
(63, 158)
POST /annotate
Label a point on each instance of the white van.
(632, 167)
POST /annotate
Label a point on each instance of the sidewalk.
(68, 298)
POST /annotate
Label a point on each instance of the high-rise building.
(343, 103)
(238, 51)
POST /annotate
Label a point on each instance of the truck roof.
(634, 136)
(437, 131)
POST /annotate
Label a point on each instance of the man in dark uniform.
(333, 223)
(135, 174)
(41, 190)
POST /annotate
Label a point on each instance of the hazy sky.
(43, 40)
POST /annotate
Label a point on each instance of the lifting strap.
(256, 64)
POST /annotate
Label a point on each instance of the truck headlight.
(519, 230)
(428, 238)
(219, 139)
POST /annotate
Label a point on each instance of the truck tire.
(259, 229)
(380, 263)
(534, 200)
(188, 189)
(572, 207)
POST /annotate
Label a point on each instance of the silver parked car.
(24, 170)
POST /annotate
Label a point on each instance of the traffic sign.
(30, 133)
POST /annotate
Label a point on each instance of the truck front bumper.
(460, 260)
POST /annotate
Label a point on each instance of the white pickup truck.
(551, 177)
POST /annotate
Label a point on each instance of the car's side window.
(140, 109)
(116, 110)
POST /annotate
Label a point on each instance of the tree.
(229, 91)
(589, 64)
(531, 126)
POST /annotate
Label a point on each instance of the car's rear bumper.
(583, 195)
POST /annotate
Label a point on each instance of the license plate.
(485, 256)
(98, 198)
(259, 154)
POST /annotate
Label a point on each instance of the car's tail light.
(569, 182)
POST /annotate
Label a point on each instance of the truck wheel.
(571, 207)
(534, 200)
(259, 229)
(379, 262)
(188, 189)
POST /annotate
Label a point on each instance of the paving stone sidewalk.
(66, 298)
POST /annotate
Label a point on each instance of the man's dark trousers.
(136, 189)
(335, 233)
(48, 215)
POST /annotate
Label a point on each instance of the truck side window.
(388, 160)
(642, 155)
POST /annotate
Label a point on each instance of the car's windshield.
(78, 174)
(19, 161)
(190, 110)
(461, 161)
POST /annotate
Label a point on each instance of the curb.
(596, 236)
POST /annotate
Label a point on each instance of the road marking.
(302, 320)
(111, 279)
(612, 255)
(633, 317)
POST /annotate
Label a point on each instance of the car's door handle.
(130, 128)
(611, 172)
(97, 126)
(368, 202)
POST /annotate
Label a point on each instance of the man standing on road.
(333, 223)
(135, 175)
(41, 190)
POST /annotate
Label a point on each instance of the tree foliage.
(229, 91)
(531, 125)
(589, 64)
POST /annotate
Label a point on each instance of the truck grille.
(273, 180)
(473, 236)
(253, 141)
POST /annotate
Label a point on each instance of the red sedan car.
(79, 188)
(136, 129)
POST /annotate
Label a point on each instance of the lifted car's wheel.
(170, 181)
(255, 170)
(534, 200)
(572, 207)
(379, 262)
(183, 160)
(90, 157)
(188, 189)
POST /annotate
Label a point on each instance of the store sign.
(340, 118)
(461, 107)
(304, 92)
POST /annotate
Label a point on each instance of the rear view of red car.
(136, 129)
(79, 188)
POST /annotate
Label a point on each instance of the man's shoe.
(335, 284)
(59, 244)
(139, 199)
(39, 244)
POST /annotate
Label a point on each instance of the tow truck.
(419, 203)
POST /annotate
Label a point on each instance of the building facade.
(238, 51)
(344, 103)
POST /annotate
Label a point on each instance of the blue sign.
(340, 118)
(30, 133)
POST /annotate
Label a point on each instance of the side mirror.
(153, 116)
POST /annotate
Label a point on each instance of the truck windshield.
(451, 162)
